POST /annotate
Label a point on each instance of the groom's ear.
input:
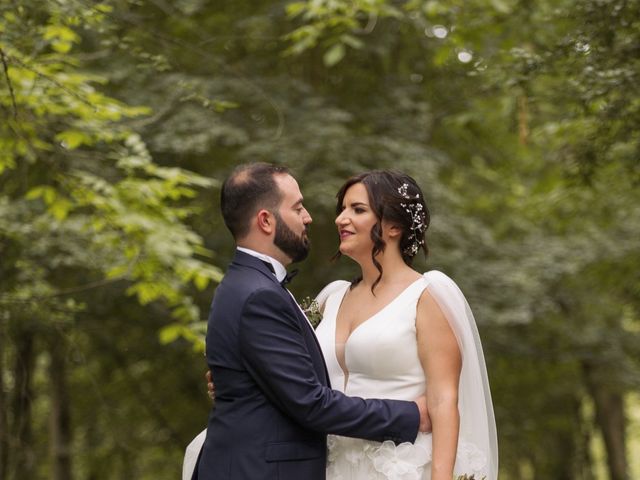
(265, 221)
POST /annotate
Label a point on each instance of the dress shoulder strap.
(330, 289)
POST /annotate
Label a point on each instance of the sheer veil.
(478, 437)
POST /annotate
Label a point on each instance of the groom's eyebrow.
(298, 203)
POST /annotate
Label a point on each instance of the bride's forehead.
(357, 190)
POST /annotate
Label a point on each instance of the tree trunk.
(610, 417)
(91, 436)
(584, 460)
(60, 412)
(23, 453)
(4, 433)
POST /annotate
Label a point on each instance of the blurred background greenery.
(120, 118)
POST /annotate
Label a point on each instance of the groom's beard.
(294, 246)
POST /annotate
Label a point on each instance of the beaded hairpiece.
(417, 228)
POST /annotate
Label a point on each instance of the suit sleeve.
(275, 354)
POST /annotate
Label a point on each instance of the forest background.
(119, 119)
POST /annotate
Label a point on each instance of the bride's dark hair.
(396, 198)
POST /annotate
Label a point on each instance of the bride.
(393, 332)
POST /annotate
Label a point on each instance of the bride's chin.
(345, 250)
(352, 255)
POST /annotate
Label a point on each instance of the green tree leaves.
(119, 120)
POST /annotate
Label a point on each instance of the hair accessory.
(417, 228)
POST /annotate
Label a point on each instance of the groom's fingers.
(211, 388)
(425, 420)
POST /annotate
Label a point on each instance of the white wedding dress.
(381, 357)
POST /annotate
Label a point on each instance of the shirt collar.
(278, 268)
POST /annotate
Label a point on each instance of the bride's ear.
(394, 232)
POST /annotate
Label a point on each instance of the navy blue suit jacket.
(274, 405)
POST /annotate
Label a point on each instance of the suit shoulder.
(269, 294)
(248, 279)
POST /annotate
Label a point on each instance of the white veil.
(477, 440)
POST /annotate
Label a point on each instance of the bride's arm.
(441, 361)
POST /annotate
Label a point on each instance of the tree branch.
(66, 291)
(52, 80)
(5, 66)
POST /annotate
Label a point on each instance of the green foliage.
(119, 119)
(90, 226)
(86, 167)
(335, 24)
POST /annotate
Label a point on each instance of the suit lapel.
(243, 259)
(303, 319)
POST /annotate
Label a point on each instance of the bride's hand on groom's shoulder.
(211, 388)
(425, 420)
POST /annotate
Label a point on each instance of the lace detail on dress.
(403, 462)
(355, 459)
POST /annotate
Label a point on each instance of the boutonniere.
(312, 310)
(469, 477)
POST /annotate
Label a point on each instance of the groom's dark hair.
(249, 188)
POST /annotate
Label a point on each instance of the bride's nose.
(341, 219)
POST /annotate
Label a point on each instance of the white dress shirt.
(279, 271)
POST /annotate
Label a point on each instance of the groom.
(274, 405)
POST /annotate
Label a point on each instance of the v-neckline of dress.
(367, 320)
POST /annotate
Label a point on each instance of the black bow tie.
(288, 277)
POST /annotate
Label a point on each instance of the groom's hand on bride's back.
(211, 388)
(425, 420)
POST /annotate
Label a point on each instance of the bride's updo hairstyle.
(397, 199)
